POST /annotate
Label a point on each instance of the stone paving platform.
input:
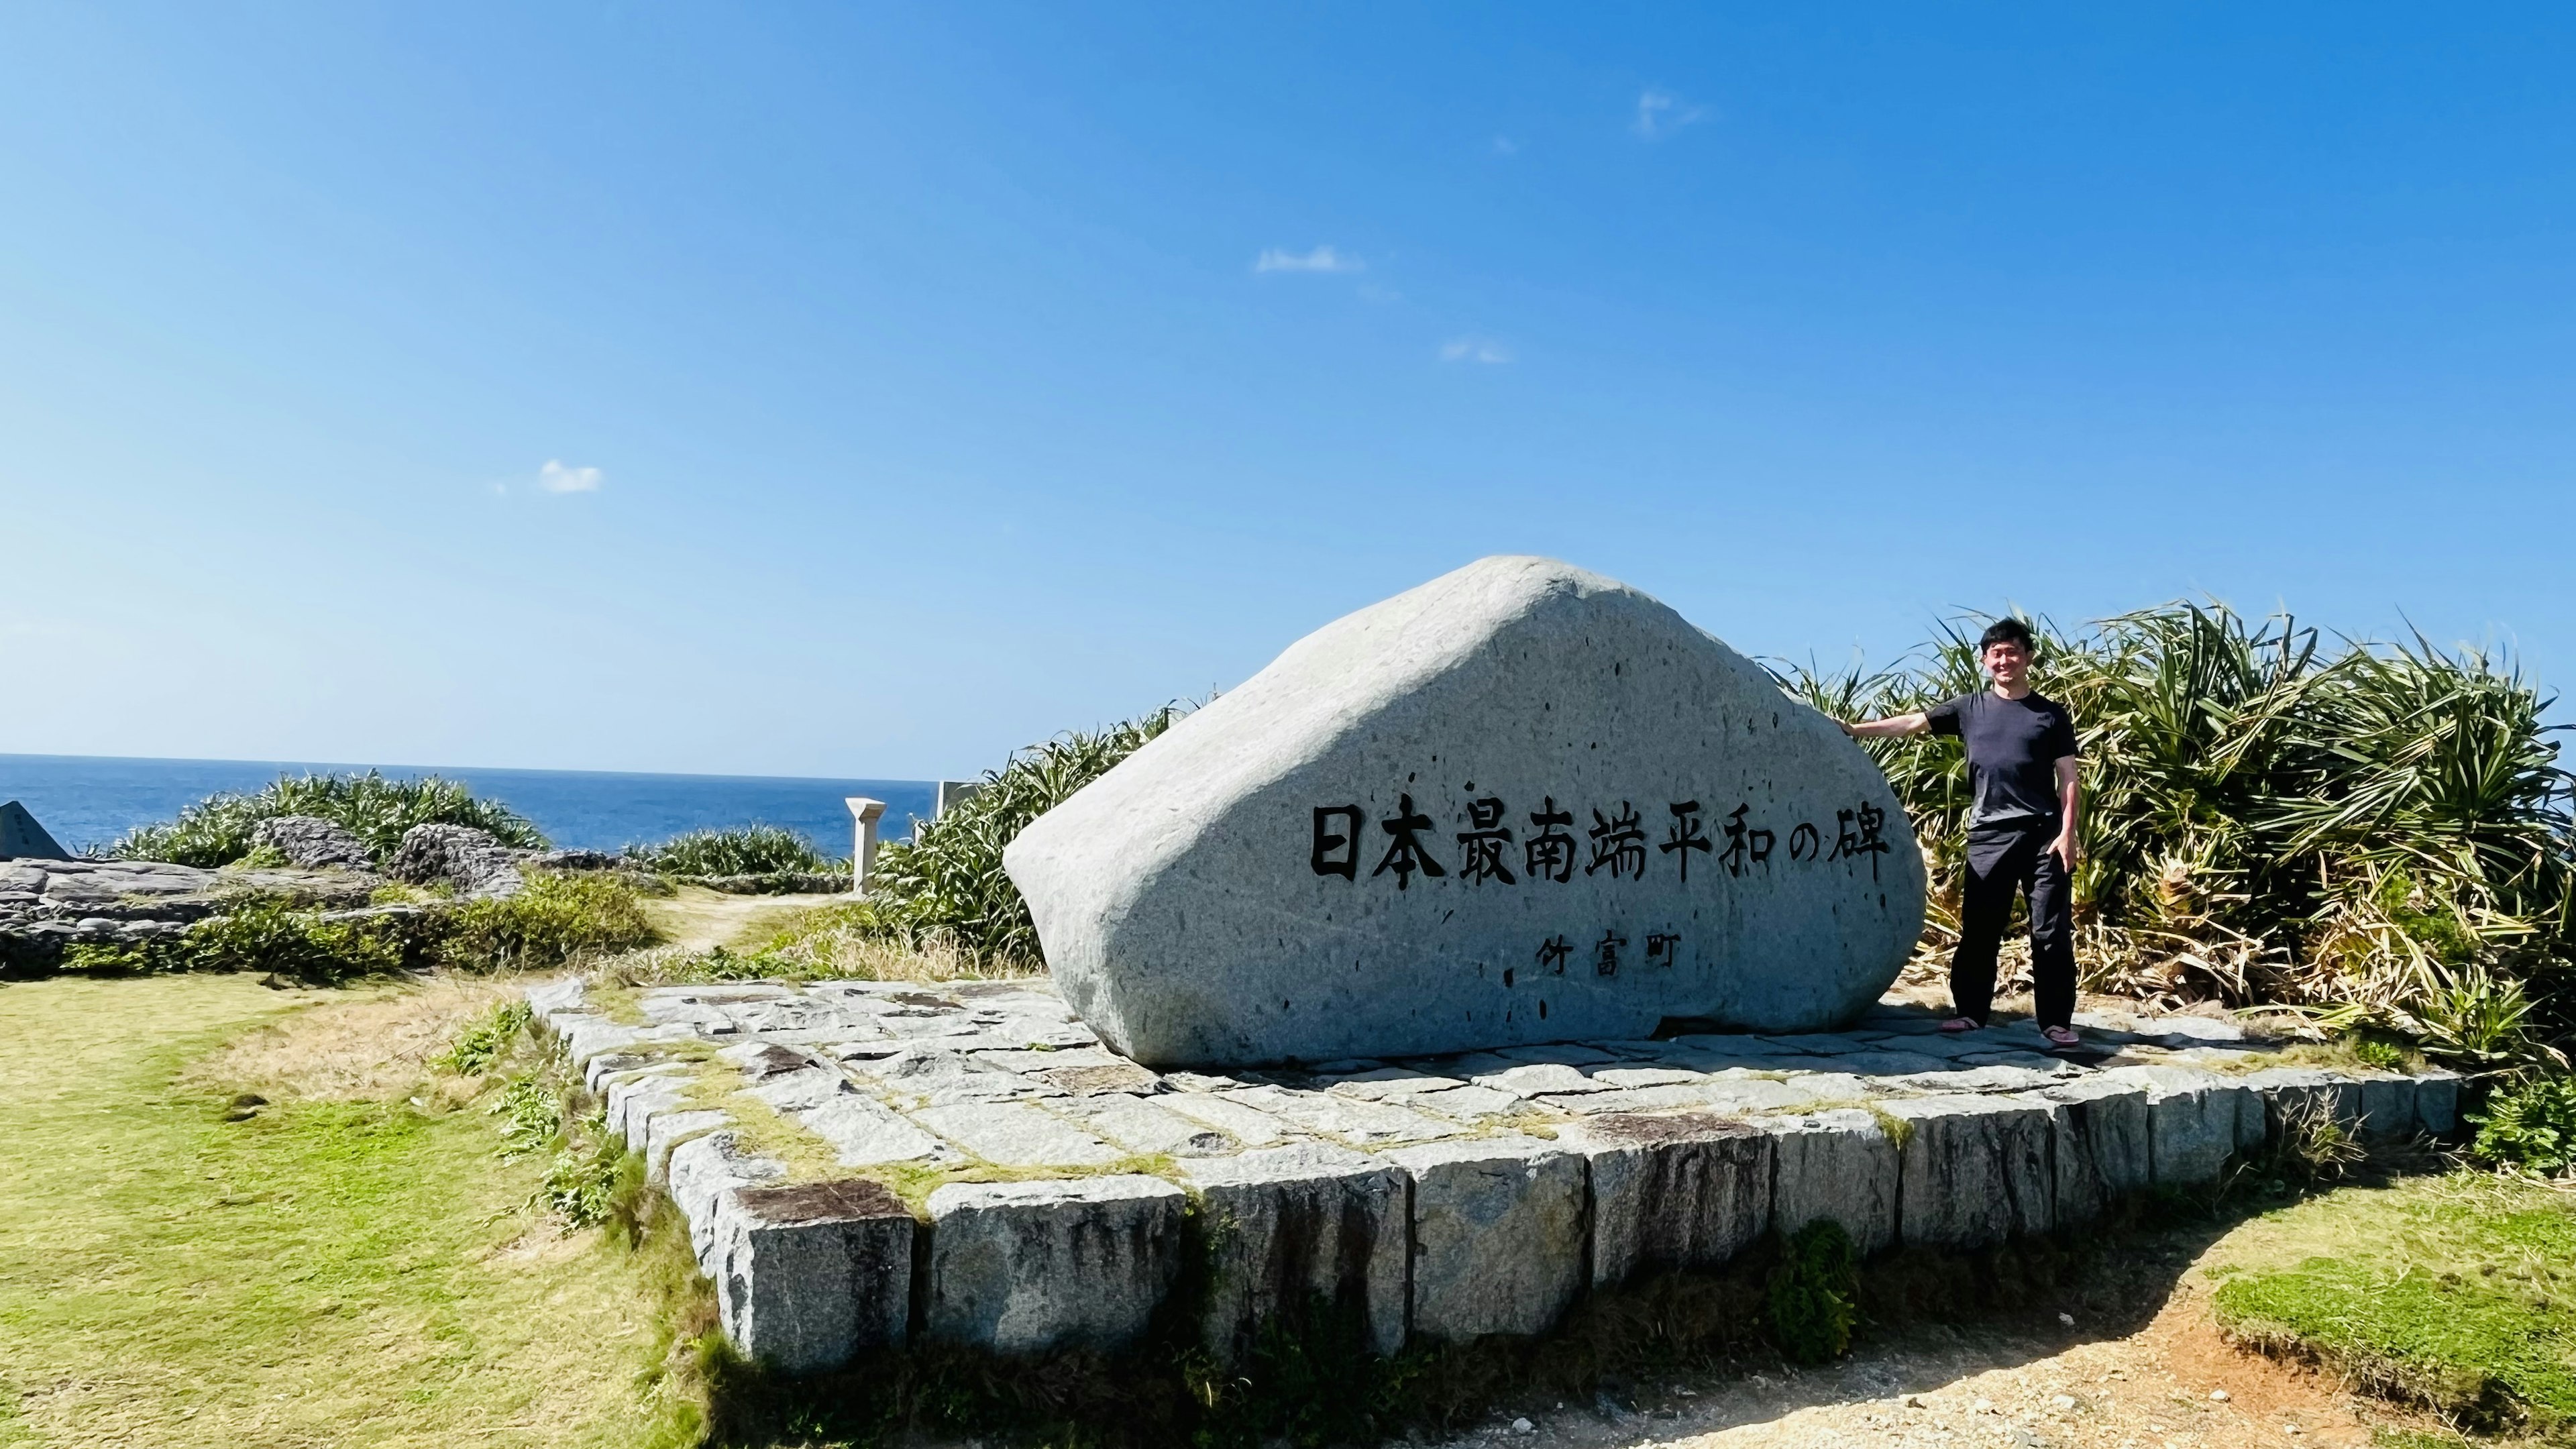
(864, 1164)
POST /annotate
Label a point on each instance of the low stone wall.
(1442, 1199)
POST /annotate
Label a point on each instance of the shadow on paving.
(1615, 1369)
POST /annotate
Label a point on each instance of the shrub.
(266, 934)
(2312, 1148)
(2479, 1019)
(2530, 1125)
(216, 831)
(1814, 1293)
(486, 1039)
(531, 1113)
(583, 1184)
(557, 918)
(946, 886)
(745, 850)
(2374, 1050)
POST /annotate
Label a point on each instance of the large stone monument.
(21, 838)
(1521, 803)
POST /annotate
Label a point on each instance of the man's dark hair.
(2007, 631)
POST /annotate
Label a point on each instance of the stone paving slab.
(1063, 1188)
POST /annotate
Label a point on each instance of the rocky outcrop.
(46, 905)
(577, 860)
(310, 842)
(459, 856)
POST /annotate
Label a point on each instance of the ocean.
(87, 800)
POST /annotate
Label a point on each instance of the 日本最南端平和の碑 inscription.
(1617, 841)
(1521, 803)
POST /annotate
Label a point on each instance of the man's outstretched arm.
(1888, 728)
(2070, 808)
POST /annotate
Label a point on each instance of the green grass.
(487, 1039)
(2392, 1436)
(2458, 1293)
(708, 937)
(347, 1272)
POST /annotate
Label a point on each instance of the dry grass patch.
(845, 940)
(835, 951)
(376, 1041)
(813, 943)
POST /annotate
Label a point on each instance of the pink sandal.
(2063, 1036)
(1958, 1024)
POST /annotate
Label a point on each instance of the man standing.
(2021, 830)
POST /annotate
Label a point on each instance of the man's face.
(2008, 662)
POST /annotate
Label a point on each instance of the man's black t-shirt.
(2013, 749)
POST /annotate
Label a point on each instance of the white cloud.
(556, 478)
(1474, 349)
(1506, 146)
(1321, 259)
(1661, 113)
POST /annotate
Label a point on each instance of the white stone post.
(953, 793)
(863, 850)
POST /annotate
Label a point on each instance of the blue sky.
(865, 390)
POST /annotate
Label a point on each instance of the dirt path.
(697, 919)
(2145, 1377)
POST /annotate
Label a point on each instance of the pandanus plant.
(2378, 831)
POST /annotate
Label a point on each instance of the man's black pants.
(2001, 862)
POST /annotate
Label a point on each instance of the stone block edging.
(1498, 1233)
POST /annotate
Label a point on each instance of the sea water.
(89, 800)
